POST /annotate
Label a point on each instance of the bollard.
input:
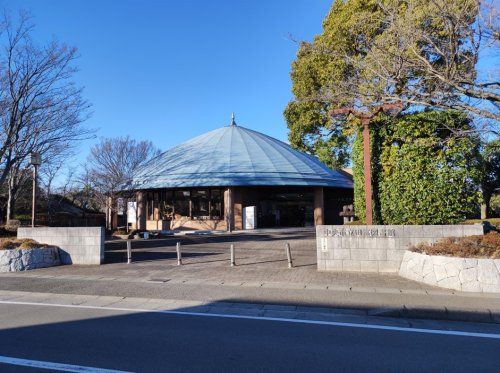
(232, 256)
(289, 255)
(179, 255)
(129, 252)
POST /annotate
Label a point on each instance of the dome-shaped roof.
(235, 156)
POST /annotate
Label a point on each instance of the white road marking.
(54, 366)
(295, 321)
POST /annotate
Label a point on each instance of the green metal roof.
(235, 156)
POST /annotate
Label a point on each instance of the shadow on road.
(144, 256)
(199, 246)
(152, 342)
(215, 239)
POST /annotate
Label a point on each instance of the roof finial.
(233, 123)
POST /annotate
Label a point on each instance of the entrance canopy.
(235, 156)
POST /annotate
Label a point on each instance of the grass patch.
(21, 243)
(483, 246)
(120, 232)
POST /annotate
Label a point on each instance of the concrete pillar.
(238, 208)
(229, 208)
(156, 207)
(319, 214)
(108, 213)
(141, 210)
(114, 219)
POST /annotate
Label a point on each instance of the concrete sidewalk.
(428, 304)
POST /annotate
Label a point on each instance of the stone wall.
(24, 259)
(377, 248)
(465, 274)
(78, 245)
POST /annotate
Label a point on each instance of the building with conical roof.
(234, 177)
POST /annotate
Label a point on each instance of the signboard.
(132, 212)
(249, 217)
(120, 206)
(360, 232)
(377, 248)
(324, 244)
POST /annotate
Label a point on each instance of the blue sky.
(170, 70)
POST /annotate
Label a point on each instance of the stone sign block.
(377, 248)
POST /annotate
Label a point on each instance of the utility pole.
(35, 160)
(366, 118)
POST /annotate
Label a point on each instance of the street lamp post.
(35, 160)
(366, 118)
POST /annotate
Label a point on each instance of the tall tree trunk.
(485, 205)
(49, 205)
(10, 199)
(484, 211)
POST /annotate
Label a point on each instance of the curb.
(446, 313)
(391, 316)
(400, 311)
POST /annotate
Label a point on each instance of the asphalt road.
(149, 342)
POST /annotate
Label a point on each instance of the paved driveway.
(252, 248)
(260, 276)
(260, 261)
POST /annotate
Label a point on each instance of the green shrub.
(495, 204)
(421, 172)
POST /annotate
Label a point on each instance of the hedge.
(425, 169)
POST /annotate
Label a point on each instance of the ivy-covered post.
(367, 168)
(366, 118)
(426, 169)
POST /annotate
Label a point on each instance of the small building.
(236, 178)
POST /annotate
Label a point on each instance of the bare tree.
(73, 186)
(422, 53)
(17, 185)
(50, 170)
(41, 109)
(21, 172)
(111, 164)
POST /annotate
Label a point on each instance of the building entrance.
(291, 209)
